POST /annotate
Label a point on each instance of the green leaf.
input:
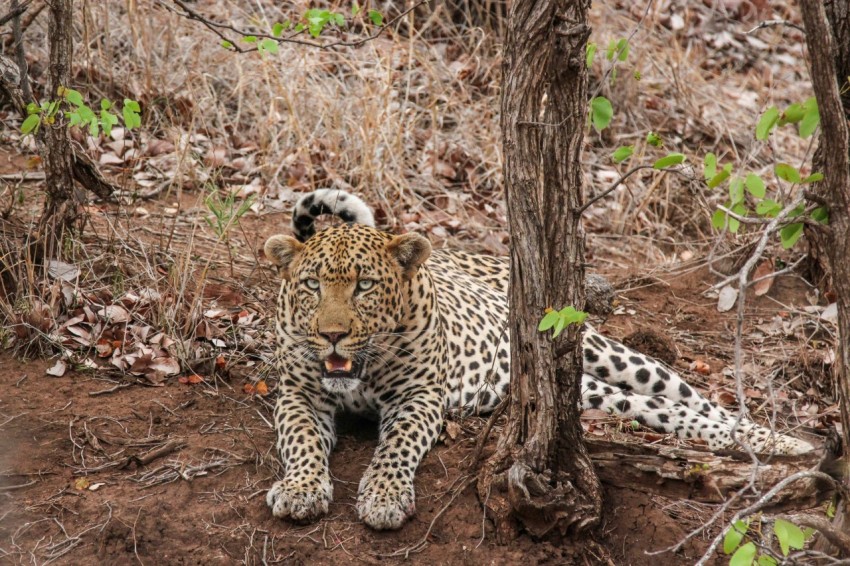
(107, 120)
(73, 118)
(721, 176)
(105, 104)
(559, 326)
(622, 153)
(654, 139)
(768, 207)
(787, 172)
(623, 49)
(269, 45)
(821, 215)
(355, 9)
(376, 17)
(709, 168)
(73, 97)
(734, 536)
(572, 316)
(548, 321)
(766, 123)
(249, 39)
(789, 234)
(277, 29)
(612, 49)
(33, 108)
(589, 53)
(299, 28)
(338, 19)
(793, 114)
(734, 223)
(226, 44)
(810, 121)
(31, 123)
(669, 160)
(755, 186)
(744, 555)
(813, 178)
(718, 219)
(766, 560)
(736, 190)
(601, 112)
(94, 127)
(789, 535)
(131, 113)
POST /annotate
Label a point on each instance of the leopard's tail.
(349, 208)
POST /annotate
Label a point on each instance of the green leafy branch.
(787, 534)
(748, 187)
(79, 114)
(557, 321)
(314, 22)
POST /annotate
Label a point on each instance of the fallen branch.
(698, 475)
(154, 454)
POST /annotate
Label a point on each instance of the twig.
(773, 23)
(622, 179)
(15, 11)
(110, 390)
(19, 486)
(216, 28)
(152, 455)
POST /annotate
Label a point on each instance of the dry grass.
(409, 121)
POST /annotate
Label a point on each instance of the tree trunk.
(541, 463)
(60, 206)
(828, 38)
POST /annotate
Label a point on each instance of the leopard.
(388, 326)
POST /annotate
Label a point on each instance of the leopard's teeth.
(336, 367)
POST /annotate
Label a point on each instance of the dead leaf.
(727, 298)
(81, 484)
(58, 369)
(110, 158)
(764, 269)
(114, 314)
(701, 367)
(104, 348)
(61, 270)
(452, 429)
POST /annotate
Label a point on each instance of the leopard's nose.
(333, 337)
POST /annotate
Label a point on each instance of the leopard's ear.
(282, 251)
(410, 251)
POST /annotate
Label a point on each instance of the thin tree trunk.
(541, 463)
(60, 207)
(828, 38)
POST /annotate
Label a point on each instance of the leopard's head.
(344, 289)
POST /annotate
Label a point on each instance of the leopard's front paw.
(388, 506)
(300, 500)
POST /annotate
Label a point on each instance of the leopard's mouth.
(337, 367)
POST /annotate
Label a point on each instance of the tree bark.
(541, 462)
(828, 39)
(60, 207)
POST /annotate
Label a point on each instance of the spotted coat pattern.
(381, 324)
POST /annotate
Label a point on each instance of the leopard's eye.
(365, 284)
(312, 284)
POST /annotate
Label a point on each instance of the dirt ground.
(145, 467)
(74, 489)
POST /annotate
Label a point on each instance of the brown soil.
(55, 435)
